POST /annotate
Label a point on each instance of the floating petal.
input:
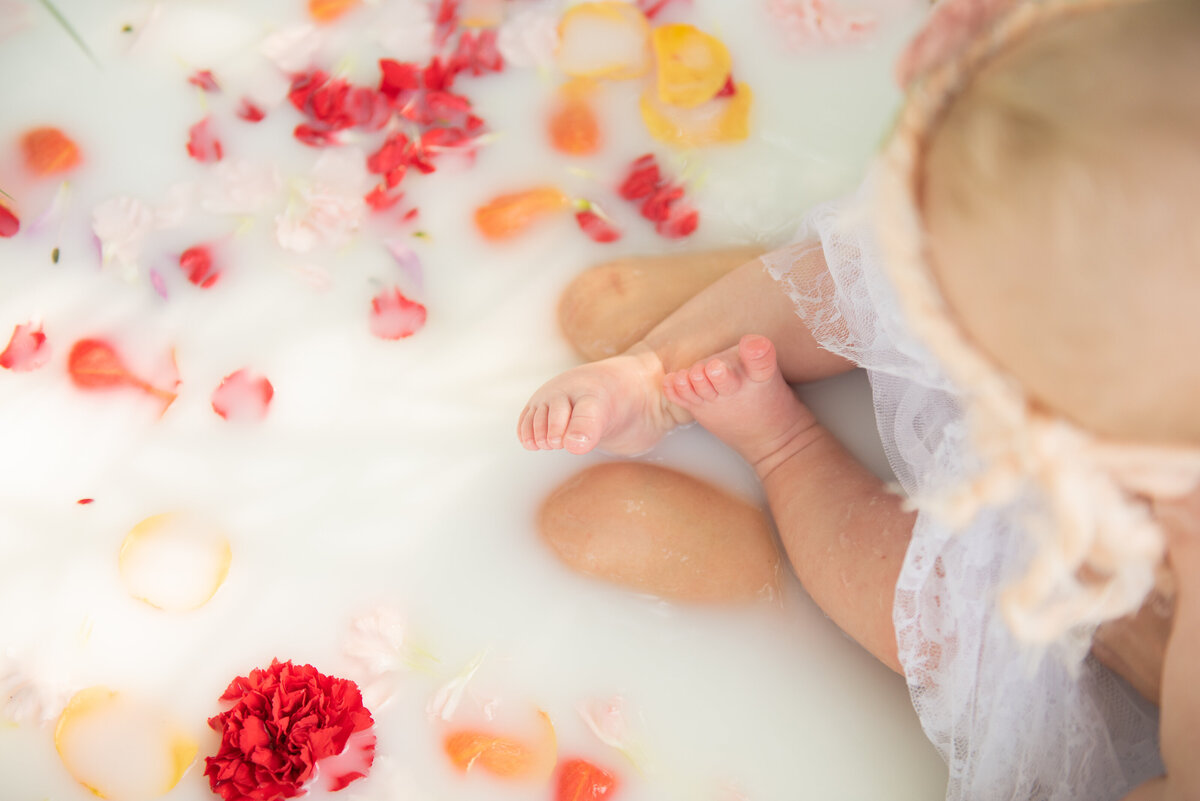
(504, 756)
(49, 151)
(174, 562)
(573, 126)
(725, 119)
(604, 40)
(243, 395)
(120, 749)
(27, 349)
(509, 215)
(692, 65)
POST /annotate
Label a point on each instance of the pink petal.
(27, 350)
(394, 316)
(243, 396)
(203, 145)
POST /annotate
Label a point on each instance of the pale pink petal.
(530, 37)
(243, 395)
(378, 652)
(292, 49)
(405, 30)
(609, 721)
(27, 349)
(241, 187)
(407, 260)
(121, 224)
(393, 316)
(811, 22)
(446, 700)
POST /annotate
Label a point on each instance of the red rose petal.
(380, 199)
(203, 145)
(243, 395)
(580, 780)
(315, 137)
(197, 265)
(651, 8)
(643, 178)
(680, 221)
(398, 77)
(249, 111)
(205, 80)
(729, 89)
(85, 501)
(596, 226)
(394, 316)
(27, 349)
(9, 224)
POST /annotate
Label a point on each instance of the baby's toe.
(585, 426)
(699, 378)
(758, 358)
(541, 417)
(556, 420)
(681, 382)
(724, 380)
(525, 429)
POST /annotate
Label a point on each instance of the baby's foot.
(616, 404)
(740, 396)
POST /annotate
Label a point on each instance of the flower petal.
(49, 151)
(27, 349)
(502, 755)
(604, 40)
(508, 215)
(118, 748)
(394, 316)
(573, 126)
(9, 224)
(692, 65)
(243, 395)
(174, 562)
(723, 119)
(580, 780)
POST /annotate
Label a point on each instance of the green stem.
(66, 26)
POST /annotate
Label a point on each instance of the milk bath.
(386, 475)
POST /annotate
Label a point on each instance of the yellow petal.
(174, 561)
(119, 749)
(604, 40)
(692, 66)
(725, 119)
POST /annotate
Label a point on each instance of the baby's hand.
(616, 404)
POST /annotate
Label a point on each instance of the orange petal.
(329, 10)
(503, 756)
(692, 66)
(120, 749)
(604, 40)
(49, 151)
(574, 128)
(726, 119)
(509, 215)
(174, 562)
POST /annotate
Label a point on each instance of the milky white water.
(387, 473)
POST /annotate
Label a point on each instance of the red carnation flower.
(285, 719)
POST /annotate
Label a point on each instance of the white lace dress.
(1012, 721)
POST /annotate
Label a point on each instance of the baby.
(1024, 302)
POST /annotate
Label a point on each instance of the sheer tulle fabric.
(1012, 720)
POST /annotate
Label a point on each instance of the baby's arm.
(617, 403)
(1180, 710)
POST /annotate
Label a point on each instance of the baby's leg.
(618, 404)
(611, 306)
(844, 533)
(740, 396)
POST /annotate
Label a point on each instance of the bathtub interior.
(385, 478)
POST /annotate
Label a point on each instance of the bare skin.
(617, 404)
(844, 533)
(608, 308)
